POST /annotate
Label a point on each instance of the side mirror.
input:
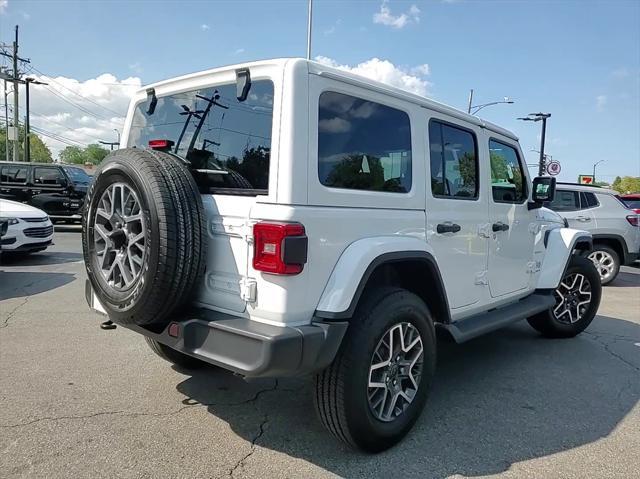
(544, 190)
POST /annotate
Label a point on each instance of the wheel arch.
(560, 243)
(414, 269)
(615, 242)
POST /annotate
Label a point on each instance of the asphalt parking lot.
(76, 401)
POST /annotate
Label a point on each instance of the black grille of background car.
(39, 232)
(35, 220)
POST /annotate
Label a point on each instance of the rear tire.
(606, 261)
(567, 318)
(143, 236)
(175, 357)
(347, 404)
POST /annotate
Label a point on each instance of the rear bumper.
(244, 346)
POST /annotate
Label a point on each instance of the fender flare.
(356, 264)
(560, 244)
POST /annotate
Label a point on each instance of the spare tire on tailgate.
(143, 236)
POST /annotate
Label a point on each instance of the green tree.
(93, 154)
(627, 184)
(40, 153)
(72, 155)
(616, 183)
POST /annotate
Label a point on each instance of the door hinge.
(248, 289)
(481, 278)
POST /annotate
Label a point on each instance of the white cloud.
(332, 29)
(135, 67)
(386, 17)
(84, 119)
(601, 101)
(622, 72)
(409, 79)
(3, 6)
(204, 27)
(239, 51)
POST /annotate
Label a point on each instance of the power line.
(80, 107)
(52, 80)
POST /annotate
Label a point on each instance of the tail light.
(634, 220)
(279, 248)
(160, 144)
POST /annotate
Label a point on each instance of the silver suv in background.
(614, 227)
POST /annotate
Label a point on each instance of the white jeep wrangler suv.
(282, 217)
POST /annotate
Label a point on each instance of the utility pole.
(6, 120)
(15, 78)
(16, 107)
(542, 164)
(27, 120)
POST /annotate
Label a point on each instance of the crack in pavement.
(596, 338)
(254, 440)
(5, 323)
(251, 400)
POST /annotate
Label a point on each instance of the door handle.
(584, 219)
(499, 226)
(447, 227)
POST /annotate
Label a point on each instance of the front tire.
(577, 301)
(376, 387)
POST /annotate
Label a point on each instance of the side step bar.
(469, 328)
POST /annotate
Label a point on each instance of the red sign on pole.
(585, 179)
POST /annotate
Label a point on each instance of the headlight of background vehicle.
(10, 221)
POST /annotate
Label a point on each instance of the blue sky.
(579, 60)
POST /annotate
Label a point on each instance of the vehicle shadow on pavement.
(625, 280)
(39, 259)
(19, 284)
(503, 398)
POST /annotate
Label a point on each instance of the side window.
(454, 161)
(507, 177)
(47, 176)
(565, 200)
(588, 200)
(363, 145)
(13, 174)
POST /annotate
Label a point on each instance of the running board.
(469, 328)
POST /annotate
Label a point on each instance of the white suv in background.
(613, 226)
(283, 217)
(28, 229)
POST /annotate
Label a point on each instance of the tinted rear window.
(215, 132)
(565, 200)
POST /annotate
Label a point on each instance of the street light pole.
(540, 117)
(594, 169)
(117, 133)
(309, 22)
(470, 101)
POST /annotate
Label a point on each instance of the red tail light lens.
(279, 248)
(634, 220)
(160, 144)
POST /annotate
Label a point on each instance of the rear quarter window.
(363, 145)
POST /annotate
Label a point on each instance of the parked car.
(28, 229)
(616, 236)
(632, 202)
(328, 228)
(58, 190)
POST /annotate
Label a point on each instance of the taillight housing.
(634, 220)
(279, 248)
